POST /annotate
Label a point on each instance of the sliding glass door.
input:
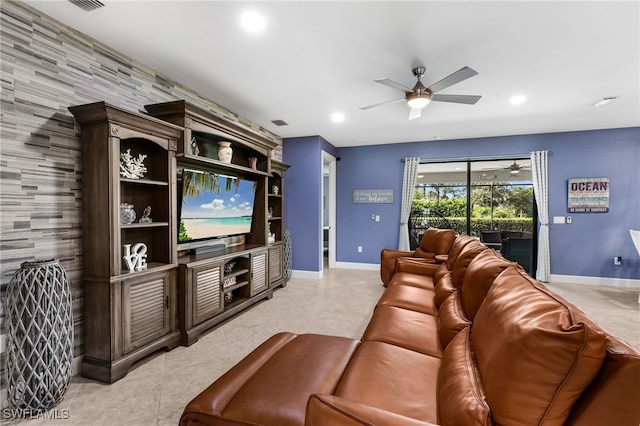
(490, 200)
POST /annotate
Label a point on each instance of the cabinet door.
(146, 314)
(259, 280)
(275, 262)
(207, 295)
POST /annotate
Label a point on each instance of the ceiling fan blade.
(383, 103)
(458, 99)
(415, 113)
(458, 76)
(394, 85)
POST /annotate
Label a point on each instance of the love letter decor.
(136, 257)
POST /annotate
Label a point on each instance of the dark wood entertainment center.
(185, 288)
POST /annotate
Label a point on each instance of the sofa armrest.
(416, 266)
(333, 410)
(388, 263)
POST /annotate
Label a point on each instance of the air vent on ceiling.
(88, 5)
(279, 122)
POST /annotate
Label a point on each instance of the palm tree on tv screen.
(192, 182)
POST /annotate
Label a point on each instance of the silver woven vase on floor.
(39, 336)
(288, 255)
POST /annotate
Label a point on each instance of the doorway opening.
(328, 211)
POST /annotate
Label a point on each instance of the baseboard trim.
(601, 281)
(362, 266)
(306, 275)
(75, 369)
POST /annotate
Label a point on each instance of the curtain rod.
(476, 158)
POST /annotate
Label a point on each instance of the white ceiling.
(316, 58)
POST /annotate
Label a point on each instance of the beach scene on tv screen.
(214, 205)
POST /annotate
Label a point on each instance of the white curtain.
(539, 172)
(408, 187)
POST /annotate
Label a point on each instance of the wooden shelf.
(137, 225)
(128, 314)
(236, 273)
(191, 259)
(199, 161)
(235, 302)
(144, 181)
(198, 149)
(151, 268)
(235, 286)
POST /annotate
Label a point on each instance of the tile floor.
(156, 390)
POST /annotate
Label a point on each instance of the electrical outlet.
(359, 249)
(377, 218)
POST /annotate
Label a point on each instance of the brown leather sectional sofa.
(471, 341)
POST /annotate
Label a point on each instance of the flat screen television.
(214, 206)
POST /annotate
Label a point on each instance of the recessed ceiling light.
(337, 117)
(253, 22)
(516, 100)
(604, 101)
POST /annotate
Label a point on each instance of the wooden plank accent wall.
(45, 68)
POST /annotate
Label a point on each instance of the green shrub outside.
(484, 224)
(455, 211)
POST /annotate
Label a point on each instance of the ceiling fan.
(420, 96)
(515, 168)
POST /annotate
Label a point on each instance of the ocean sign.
(588, 195)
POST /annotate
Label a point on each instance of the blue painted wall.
(303, 200)
(584, 248)
(588, 245)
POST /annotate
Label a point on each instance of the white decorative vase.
(225, 152)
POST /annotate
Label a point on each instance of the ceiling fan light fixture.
(418, 100)
(517, 100)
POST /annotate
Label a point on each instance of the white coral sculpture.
(132, 168)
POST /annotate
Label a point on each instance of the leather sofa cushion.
(452, 318)
(460, 396)
(468, 253)
(409, 297)
(388, 258)
(323, 410)
(456, 248)
(416, 266)
(481, 273)
(272, 385)
(615, 390)
(436, 241)
(443, 289)
(408, 329)
(413, 280)
(535, 353)
(392, 378)
(440, 271)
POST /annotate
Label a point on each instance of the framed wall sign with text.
(373, 196)
(588, 195)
